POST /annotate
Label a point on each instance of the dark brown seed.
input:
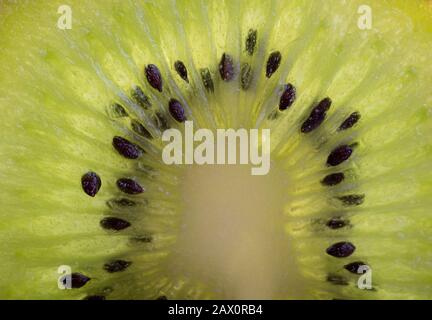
(120, 203)
(112, 223)
(207, 80)
(337, 223)
(116, 266)
(339, 155)
(317, 116)
(119, 111)
(129, 186)
(162, 298)
(352, 199)
(341, 249)
(78, 280)
(181, 70)
(95, 297)
(350, 121)
(176, 110)
(140, 129)
(251, 41)
(288, 97)
(337, 280)
(354, 267)
(154, 77)
(273, 63)
(91, 183)
(140, 98)
(226, 67)
(333, 179)
(126, 148)
(246, 76)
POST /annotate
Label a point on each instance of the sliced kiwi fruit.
(83, 184)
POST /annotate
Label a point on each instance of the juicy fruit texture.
(349, 113)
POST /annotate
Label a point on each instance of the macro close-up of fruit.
(91, 211)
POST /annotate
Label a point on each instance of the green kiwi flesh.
(83, 183)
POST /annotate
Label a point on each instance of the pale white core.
(232, 232)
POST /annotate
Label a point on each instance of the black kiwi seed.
(181, 70)
(207, 79)
(354, 267)
(78, 280)
(112, 223)
(162, 298)
(333, 179)
(352, 119)
(337, 280)
(140, 129)
(352, 199)
(140, 98)
(341, 249)
(129, 186)
(273, 63)
(226, 67)
(288, 97)
(251, 41)
(246, 76)
(119, 111)
(95, 298)
(154, 77)
(126, 148)
(116, 266)
(176, 110)
(339, 155)
(337, 223)
(91, 183)
(316, 116)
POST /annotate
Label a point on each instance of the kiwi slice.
(83, 184)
